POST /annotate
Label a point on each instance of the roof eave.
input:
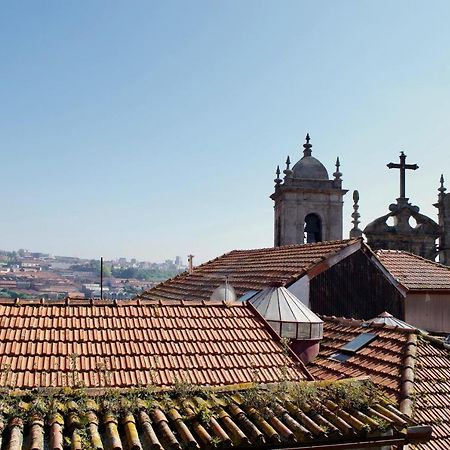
(328, 261)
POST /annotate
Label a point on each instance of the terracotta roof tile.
(247, 270)
(212, 342)
(204, 419)
(384, 361)
(415, 272)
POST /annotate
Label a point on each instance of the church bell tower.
(308, 205)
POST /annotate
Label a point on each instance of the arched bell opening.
(313, 228)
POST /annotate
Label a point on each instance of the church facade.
(308, 207)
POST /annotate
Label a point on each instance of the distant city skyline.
(153, 129)
(176, 259)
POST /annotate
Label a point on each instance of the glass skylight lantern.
(291, 319)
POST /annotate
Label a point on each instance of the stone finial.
(337, 175)
(278, 180)
(307, 146)
(288, 172)
(355, 232)
(441, 189)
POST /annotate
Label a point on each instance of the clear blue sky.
(153, 129)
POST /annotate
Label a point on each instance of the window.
(359, 342)
(351, 348)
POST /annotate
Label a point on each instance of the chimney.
(190, 263)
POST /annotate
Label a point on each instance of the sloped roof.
(132, 342)
(415, 272)
(187, 417)
(381, 359)
(247, 270)
(405, 363)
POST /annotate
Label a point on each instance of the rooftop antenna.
(101, 278)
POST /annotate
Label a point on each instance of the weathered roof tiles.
(301, 415)
(411, 367)
(247, 270)
(415, 272)
(132, 342)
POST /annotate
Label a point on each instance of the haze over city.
(153, 129)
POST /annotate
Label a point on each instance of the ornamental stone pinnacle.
(355, 232)
(288, 172)
(277, 180)
(307, 146)
(337, 175)
(441, 189)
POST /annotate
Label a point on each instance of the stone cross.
(402, 166)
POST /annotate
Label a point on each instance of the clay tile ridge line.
(277, 338)
(343, 320)
(407, 381)
(185, 275)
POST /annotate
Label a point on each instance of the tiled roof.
(193, 419)
(247, 270)
(132, 342)
(432, 387)
(407, 364)
(381, 359)
(415, 272)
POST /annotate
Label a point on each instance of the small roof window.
(351, 348)
(359, 342)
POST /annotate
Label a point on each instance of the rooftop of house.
(127, 343)
(415, 272)
(248, 270)
(411, 367)
(301, 415)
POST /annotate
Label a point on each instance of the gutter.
(440, 291)
(414, 435)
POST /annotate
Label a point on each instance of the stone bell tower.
(308, 205)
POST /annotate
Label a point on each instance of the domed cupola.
(309, 168)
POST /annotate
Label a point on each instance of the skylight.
(359, 342)
(351, 348)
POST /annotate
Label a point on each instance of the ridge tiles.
(247, 270)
